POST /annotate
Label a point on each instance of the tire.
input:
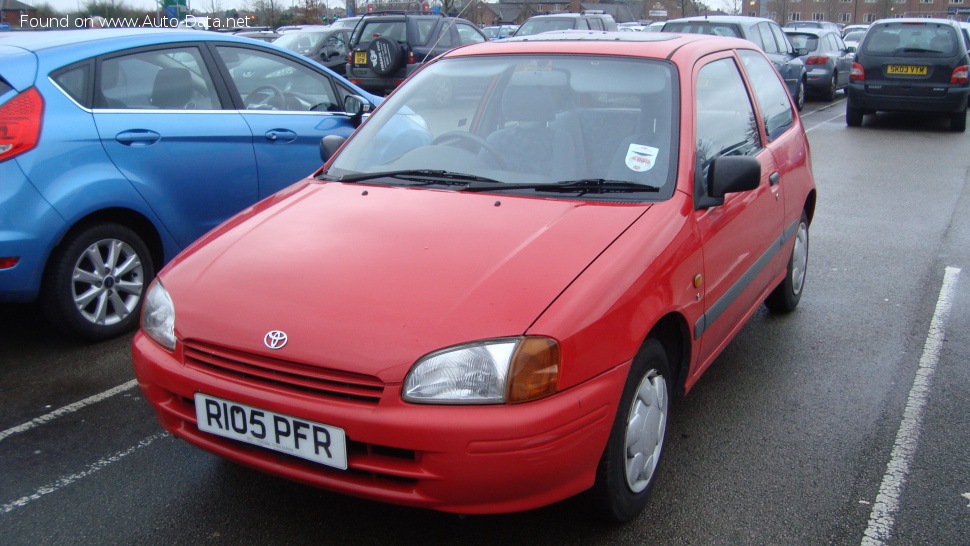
(96, 280)
(958, 121)
(623, 482)
(853, 115)
(829, 94)
(800, 97)
(785, 297)
(384, 56)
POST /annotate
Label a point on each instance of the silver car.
(826, 58)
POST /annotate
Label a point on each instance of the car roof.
(652, 45)
(812, 31)
(733, 19)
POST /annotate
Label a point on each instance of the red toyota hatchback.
(494, 313)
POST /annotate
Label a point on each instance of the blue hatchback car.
(119, 147)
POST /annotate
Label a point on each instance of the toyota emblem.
(275, 339)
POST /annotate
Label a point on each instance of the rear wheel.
(96, 281)
(786, 296)
(629, 462)
(958, 121)
(800, 96)
(829, 94)
(853, 115)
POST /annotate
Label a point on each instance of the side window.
(163, 79)
(767, 38)
(770, 92)
(582, 24)
(267, 81)
(446, 39)
(74, 82)
(755, 37)
(726, 123)
(335, 45)
(468, 35)
(784, 46)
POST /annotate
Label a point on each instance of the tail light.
(7, 263)
(20, 120)
(959, 75)
(412, 60)
(817, 59)
(858, 73)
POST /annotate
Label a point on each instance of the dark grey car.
(826, 58)
(765, 33)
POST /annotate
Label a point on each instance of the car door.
(844, 62)
(739, 236)
(289, 107)
(160, 117)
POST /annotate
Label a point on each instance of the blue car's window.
(74, 82)
(770, 92)
(726, 124)
(164, 79)
(267, 81)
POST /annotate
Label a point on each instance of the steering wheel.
(271, 93)
(450, 136)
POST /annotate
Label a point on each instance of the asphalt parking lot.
(845, 420)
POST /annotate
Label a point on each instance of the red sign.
(424, 6)
(370, 8)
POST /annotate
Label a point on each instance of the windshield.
(301, 42)
(521, 120)
(545, 24)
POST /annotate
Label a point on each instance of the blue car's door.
(289, 106)
(161, 121)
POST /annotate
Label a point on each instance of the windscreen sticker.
(641, 158)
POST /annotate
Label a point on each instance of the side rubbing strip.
(715, 311)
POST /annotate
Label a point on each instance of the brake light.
(858, 73)
(20, 120)
(817, 59)
(959, 75)
(411, 59)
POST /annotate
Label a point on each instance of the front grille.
(222, 361)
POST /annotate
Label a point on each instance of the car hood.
(367, 279)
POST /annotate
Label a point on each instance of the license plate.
(904, 70)
(360, 57)
(315, 442)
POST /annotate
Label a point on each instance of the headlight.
(487, 372)
(158, 316)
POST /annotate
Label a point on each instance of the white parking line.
(71, 408)
(883, 514)
(809, 130)
(68, 480)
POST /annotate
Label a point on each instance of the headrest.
(172, 89)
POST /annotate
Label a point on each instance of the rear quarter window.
(74, 82)
(4, 87)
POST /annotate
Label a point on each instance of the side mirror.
(329, 146)
(726, 174)
(732, 174)
(801, 51)
(356, 106)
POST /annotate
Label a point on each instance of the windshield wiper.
(423, 176)
(584, 185)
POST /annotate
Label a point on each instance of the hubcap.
(799, 258)
(645, 430)
(107, 282)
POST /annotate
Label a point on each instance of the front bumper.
(463, 459)
(953, 101)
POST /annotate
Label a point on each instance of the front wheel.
(629, 463)
(785, 297)
(96, 281)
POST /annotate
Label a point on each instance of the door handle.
(138, 137)
(280, 135)
(773, 178)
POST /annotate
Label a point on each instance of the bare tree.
(781, 9)
(267, 12)
(308, 11)
(212, 7)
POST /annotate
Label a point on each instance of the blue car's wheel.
(96, 280)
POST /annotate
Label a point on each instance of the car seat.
(172, 89)
(531, 142)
